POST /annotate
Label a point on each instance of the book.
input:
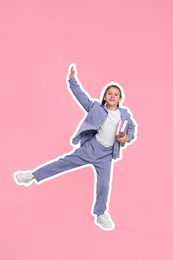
(120, 123)
(123, 130)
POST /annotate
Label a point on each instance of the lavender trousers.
(92, 152)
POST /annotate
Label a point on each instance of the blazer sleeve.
(131, 131)
(80, 94)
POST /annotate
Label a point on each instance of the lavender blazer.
(95, 117)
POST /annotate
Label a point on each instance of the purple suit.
(90, 151)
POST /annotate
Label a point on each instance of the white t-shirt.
(106, 133)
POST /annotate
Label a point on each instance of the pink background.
(125, 41)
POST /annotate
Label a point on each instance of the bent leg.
(63, 164)
(103, 172)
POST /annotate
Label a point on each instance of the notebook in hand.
(123, 130)
(120, 123)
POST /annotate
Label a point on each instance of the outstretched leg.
(51, 169)
(63, 164)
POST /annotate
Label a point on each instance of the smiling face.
(112, 97)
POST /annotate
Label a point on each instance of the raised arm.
(79, 93)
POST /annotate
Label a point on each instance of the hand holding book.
(121, 136)
(123, 139)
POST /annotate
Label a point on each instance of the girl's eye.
(114, 94)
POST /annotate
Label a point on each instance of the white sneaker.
(104, 222)
(25, 178)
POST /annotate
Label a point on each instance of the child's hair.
(114, 86)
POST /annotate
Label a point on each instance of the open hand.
(72, 73)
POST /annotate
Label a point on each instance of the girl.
(98, 146)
